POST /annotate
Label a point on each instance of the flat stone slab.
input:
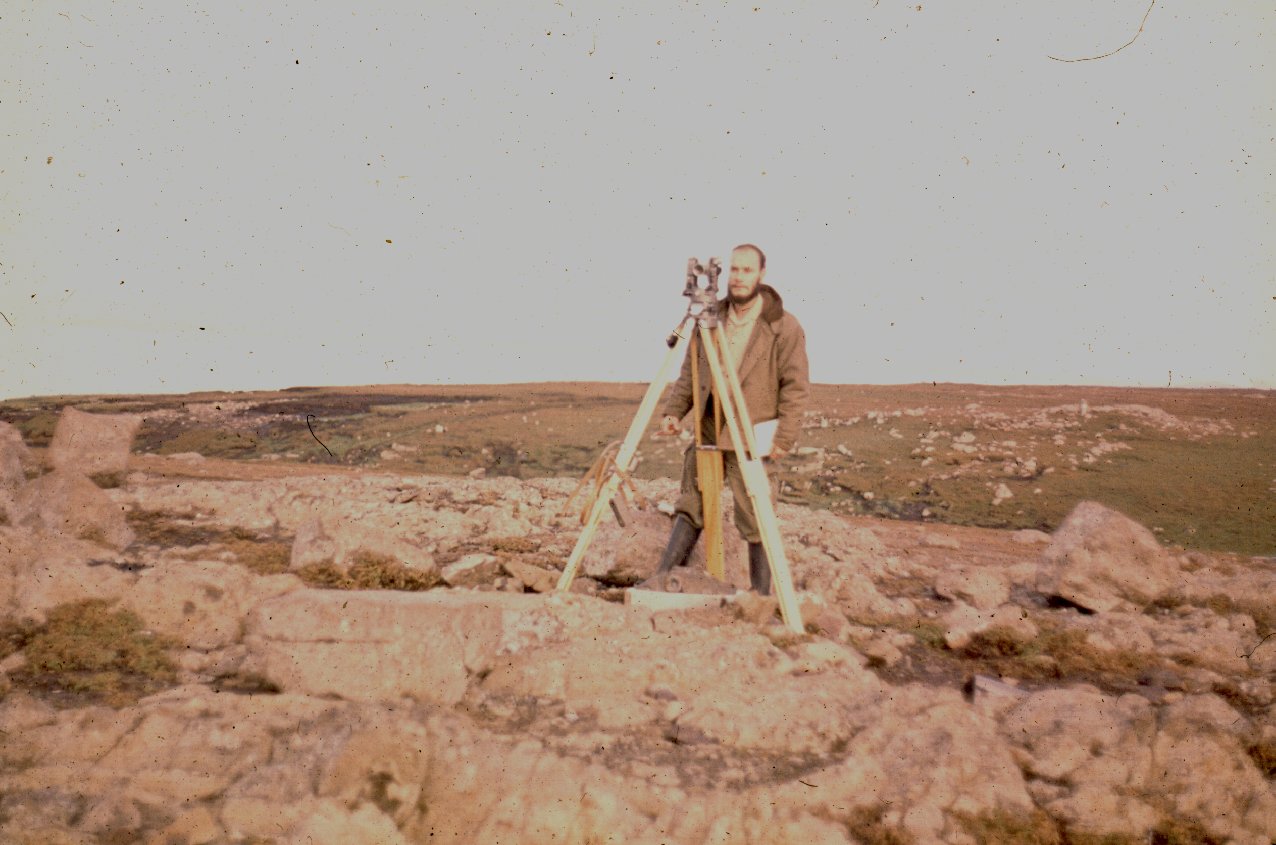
(379, 645)
(657, 600)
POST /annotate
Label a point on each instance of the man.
(767, 347)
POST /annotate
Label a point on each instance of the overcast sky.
(454, 192)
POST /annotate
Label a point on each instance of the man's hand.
(670, 427)
(778, 454)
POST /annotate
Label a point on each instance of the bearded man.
(767, 347)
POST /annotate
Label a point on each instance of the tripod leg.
(624, 457)
(755, 482)
(709, 477)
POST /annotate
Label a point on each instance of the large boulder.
(769, 703)
(1089, 757)
(926, 761)
(1100, 559)
(381, 645)
(1204, 770)
(1198, 635)
(627, 555)
(14, 458)
(201, 603)
(40, 572)
(1110, 765)
(66, 503)
(93, 444)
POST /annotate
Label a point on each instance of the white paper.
(764, 435)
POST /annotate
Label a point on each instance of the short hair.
(761, 254)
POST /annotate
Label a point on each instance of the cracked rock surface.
(950, 679)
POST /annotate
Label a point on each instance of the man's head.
(748, 269)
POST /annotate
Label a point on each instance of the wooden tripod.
(729, 398)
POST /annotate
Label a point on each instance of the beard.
(741, 301)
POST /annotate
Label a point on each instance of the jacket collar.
(772, 311)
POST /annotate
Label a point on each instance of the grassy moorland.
(1197, 466)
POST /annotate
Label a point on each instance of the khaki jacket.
(773, 375)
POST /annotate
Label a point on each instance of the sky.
(305, 193)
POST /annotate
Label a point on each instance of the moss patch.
(996, 642)
(1000, 827)
(261, 556)
(210, 442)
(1175, 831)
(108, 480)
(167, 529)
(514, 545)
(1058, 652)
(87, 651)
(867, 826)
(1262, 612)
(369, 571)
(1264, 756)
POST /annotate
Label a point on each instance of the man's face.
(746, 275)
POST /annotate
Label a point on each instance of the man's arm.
(794, 386)
(679, 400)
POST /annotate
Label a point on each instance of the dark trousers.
(689, 503)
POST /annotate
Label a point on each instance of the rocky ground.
(207, 651)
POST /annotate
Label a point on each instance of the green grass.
(1257, 607)
(87, 651)
(262, 557)
(1056, 653)
(211, 443)
(1200, 490)
(37, 429)
(369, 571)
(1207, 494)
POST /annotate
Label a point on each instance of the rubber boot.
(759, 570)
(681, 541)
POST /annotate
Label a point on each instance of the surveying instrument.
(699, 327)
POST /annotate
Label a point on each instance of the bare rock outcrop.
(39, 572)
(381, 645)
(65, 503)
(928, 758)
(340, 539)
(1101, 559)
(628, 555)
(1089, 755)
(1107, 765)
(93, 444)
(1203, 769)
(15, 457)
(963, 622)
(479, 715)
(980, 587)
(471, 571)
(201, 604)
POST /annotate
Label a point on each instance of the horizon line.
(461, 385)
